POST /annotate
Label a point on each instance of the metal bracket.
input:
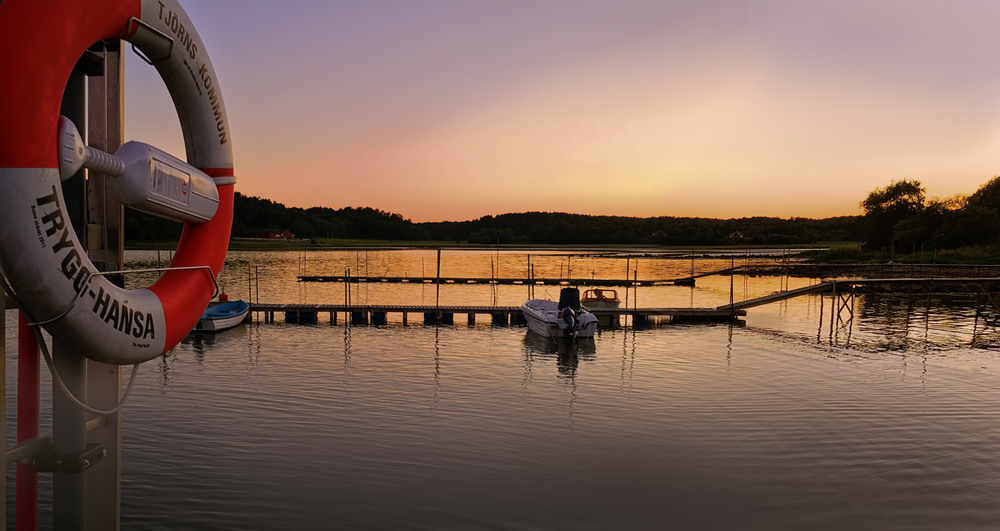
(149, 39)
(73, 463)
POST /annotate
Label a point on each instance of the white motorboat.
(565, 319)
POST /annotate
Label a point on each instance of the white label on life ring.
(169, 182)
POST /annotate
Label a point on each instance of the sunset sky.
(452, 109)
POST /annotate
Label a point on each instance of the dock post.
(437, 281)
(833, 309)
(472, 319)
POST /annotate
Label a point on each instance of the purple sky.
(454, 109)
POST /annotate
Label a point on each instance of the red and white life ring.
(43, 261)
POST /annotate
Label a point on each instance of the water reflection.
(437, 365)
(253, 347)
(347, 350)
(567, 354)
(164, 368)
(628, 360)
(198, 342)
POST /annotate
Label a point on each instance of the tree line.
(901, 217)
(898, 216)
(252, 215)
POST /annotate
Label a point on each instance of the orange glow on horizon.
(716, 110)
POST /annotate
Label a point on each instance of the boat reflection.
(567, 354)
(202, 341)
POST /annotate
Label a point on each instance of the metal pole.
(69, 437)
(732, 267)
(635, 295)
(628, 264)
(529, 282)
(250, 292)
(105, 220)
(635, 285)
(437, 296)
(69, 433)
(833, 310)
(532, 288)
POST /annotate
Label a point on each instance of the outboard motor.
(569, 317)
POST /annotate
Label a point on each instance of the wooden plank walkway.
(687, 281)
(822, 287)
(377, 313)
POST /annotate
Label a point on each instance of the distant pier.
(596, 282)
(378, 314)
(519, 281)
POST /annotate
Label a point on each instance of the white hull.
(216, 325)
(545, 318)
(222, 316)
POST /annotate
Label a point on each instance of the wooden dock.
(603, 283)
(376, 314)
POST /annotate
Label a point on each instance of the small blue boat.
(223, 316)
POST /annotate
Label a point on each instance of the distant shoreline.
(246, 244)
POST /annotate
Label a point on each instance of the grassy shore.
(855, 253)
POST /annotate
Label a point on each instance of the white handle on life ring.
(40, 256)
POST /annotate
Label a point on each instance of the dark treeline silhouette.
(255, 217)
(562, 228)
(900, 217)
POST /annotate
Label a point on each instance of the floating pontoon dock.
(499, 315)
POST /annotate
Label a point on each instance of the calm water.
(788, 421)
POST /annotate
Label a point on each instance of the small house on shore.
(274, 234)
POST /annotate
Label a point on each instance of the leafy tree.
(885, 207)
(972, 225)
(988, 195)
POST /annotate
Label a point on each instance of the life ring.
(43, 261)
